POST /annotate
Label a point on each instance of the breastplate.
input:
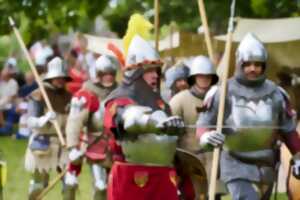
(252, 123)
(150, 149)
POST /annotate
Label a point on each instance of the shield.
(189, 167)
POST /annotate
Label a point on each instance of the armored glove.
(171, 125)
(212, 138)
(38, 122)
(143, 119)
(296, 165)
(75, 155)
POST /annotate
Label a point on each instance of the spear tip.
(11, 21)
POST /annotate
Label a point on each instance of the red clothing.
(98, 150)
(139, 182)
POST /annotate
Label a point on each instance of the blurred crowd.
(16, 85)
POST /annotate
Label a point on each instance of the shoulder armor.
(286, 103)
(91, 100)
(284, 93)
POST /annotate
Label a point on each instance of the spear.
(37, 78)
(156, 24)
(206, 29)
(64, 171)
(217, 150)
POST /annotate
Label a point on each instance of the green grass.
(18, 179)
(16, 187)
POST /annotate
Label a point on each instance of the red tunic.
(137, 182)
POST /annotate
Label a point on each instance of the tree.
(38, 18)
(186, 14)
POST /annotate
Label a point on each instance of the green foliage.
(186, 13)
(40, 18)
(275, 8)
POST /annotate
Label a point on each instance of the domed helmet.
(178, 71)
(202, 65)
(142, 54)
(107, 64)
(250, 49)
(141, 57)
(56, 69)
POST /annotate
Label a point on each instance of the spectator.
(29, 85)
(8, 93)
(24, 131)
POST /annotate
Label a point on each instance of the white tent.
(268, 30)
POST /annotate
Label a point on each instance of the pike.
(234, 127)
(156, 24)
(206, 29)
(61, 175)
(220, 119)
(37, 78)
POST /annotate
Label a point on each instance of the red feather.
(118, 53)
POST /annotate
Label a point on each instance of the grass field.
(18, 179)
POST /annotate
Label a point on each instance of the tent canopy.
(267, 30)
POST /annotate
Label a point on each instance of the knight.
(144, 130)
(44, 152)
(257, 114)
(86, 119)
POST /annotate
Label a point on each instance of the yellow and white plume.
(137, 24)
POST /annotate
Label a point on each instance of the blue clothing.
(25, 90)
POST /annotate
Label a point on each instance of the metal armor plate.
(252, 125)
(150, 149)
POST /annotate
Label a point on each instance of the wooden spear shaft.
(216, 153)
(38, 79)
(206, 29)
(52, 184)
(61, 175)
(220, 119)
(156, 24)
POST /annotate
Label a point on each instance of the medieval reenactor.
(176, 79)
(144, 131)
(257, 113)
(86, 117)
(44, 152)
(189, 103)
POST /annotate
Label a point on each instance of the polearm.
(61, 175)
(220, 119)
(37, 78)
(52, 184)
(206, 29)
(156, 24)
